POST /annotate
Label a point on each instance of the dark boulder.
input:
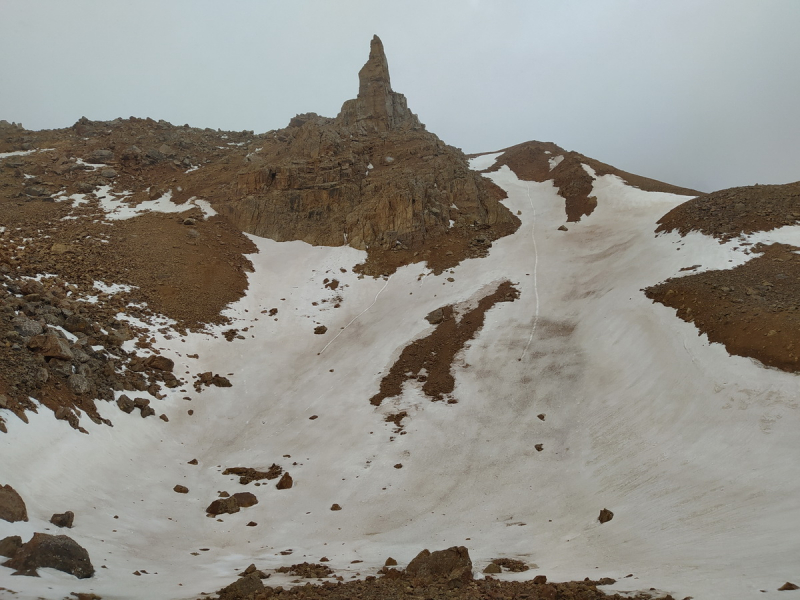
(12, 507)
(10, 545)
(54, 551)
(63, 520)
(452, 565)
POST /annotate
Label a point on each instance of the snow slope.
(693, 450)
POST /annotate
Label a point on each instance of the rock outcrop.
(59, 552)
(372, 178)
(452, 565)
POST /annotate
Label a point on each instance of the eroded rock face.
(12, 507)
(59, 552)
(371, 178)
(452, 565)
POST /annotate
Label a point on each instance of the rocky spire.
(377, 108)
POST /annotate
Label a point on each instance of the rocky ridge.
(543, 161)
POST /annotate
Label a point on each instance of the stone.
(108, 173)
(26, 327)
(141, 402)
(193, 461)
(36, 190)
(50, 345)
(147, 411)
(181, 489)
(452, 565)
(540, 579)
(435, 316)
(125, 404)
(220, 381)
(390, 562)
(160, 363)
(63, 519)
(245, 499)
(12, 507)
(51, 551)
(79, 384)
(335, 507)
(493, 568)
(85, 187)
(320, 329)
(788, 586)
(223, 506)
(563, 228)
(285, 482)
(78, 324)
(100, 157)
(10, 545)
(539, 447)
(605, 516)
(58, 248)
(541, 416)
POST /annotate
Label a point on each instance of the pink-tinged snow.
(693, 450)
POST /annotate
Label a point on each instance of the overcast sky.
(700, 93)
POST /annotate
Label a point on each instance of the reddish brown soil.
(753, 309)
(396, 586)
(727, 213)
(530, 162)
(435, 352)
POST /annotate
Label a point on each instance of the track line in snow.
(535, 274)
(341, 331)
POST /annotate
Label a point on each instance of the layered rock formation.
(372, 178)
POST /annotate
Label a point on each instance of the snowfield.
(693, 450)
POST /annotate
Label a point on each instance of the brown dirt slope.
(727, 213)
(530, 162)
(753, 309)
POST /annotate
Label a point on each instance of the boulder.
(285, 482)
(181, 489)
(108, 173)
(788, 586)
(100, 157)
(245, 499)
(223, 506)
(605, 516)
(12, 507)
(26, 327)
(79, 384)
(77, 324)
(125, 404)
(452, 565)
(160, 363)
(492, 568)
(50, 345)
(63, 520)
(435, 317)
(54, 551)
(10, 545)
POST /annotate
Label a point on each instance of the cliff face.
(372, 178)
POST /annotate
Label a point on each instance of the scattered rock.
(540, 579)
(390, 562)
(147, 411)
(452, 565)
(100, 157)
(247, 474)
(125, 404)
(307, 570)
(541, 416)
(192, 462)
(435, 316)
(12, 507)
(50, 345)
(181, 489)
(223, 506)
(79, 384)
(10, 545)
(161, 363)
(335, 507)
(54, 551)
(563, 228)
(539, 447)
(108, 173)
(164, 418)
(63, 519)
(511, 564)
(286, 482)
(492, 568)
(245, 499)
(605, 516)
(252, 524)
(788, 586)
(320, 329)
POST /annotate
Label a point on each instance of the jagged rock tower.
(372, 178)
(377, 108)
